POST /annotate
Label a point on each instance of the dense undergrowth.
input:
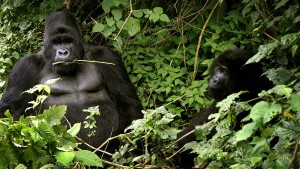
(167, 47)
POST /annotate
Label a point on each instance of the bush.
(167, 47)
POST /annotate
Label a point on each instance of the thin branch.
(130, 13)
(114, 164)
(182, 137)
(103, 144)
(94, 148)
(83, 61)
(295, 155)
(174, 154)
(199, 41)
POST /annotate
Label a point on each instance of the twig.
(83, 61)
(94, 148)
(111, 132)
(114, 164)
(103, 144)
(199, 41)
(174, 154)
(68, 122)
(182, 137)
(175, 100)
(295, 155)
(130, 13)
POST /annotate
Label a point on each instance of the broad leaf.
(295, 102)
(46, 132)
(65, 158)
(75, 129)
(245, 132)
(262, 112)
(98, 27)
(54, 114)
(106, 5)
(88, 158)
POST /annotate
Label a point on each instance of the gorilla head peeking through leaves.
(227, 74)
(83, 85)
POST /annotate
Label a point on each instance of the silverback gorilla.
(83, 85)
(228, 74)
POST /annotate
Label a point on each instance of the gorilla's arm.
(198, 119)
(23, 76)
(117, 83)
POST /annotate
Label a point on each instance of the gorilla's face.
(226, 75)
(221, 82)
(62, 44)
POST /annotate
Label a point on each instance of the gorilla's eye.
(62, 30)
(62, 40)
(222, 69)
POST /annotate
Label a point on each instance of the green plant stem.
(84, 61)
(129, 15)
(199, 42)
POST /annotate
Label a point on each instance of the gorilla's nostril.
(62, 53)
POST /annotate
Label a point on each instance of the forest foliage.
(167, 47)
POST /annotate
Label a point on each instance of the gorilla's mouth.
(64, 63)
(64, 68)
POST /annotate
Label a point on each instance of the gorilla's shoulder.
(100, 53)
(33, 59)
(96, 48)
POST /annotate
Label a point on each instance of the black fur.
(228, 74)
(83, 84)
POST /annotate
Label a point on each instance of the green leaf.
(245, 132)
(225, 104)
(65, 158)
(66, 142)
(98, 27)
(154, 17)
(21, 166)
(282, 90)
(46, 132)
(75, 129)
(54, 114)
(47, 166)
(168, 89)
(164, 18)
(158, 10)
(279, 75)
(263, 52)
(88, 158)
(117, 14)
(262, 112)
(107, 32)
(110, 22)
(288, 129)
(133, 26)
(255, 160)
(295, 102)
(281, 3)
(34, 133)
(106, 5)
(7, 154)
(254, 16)
(137, 13)
(294, 48)
(169, 133)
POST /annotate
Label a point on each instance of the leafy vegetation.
(167, 47)
(34, 141)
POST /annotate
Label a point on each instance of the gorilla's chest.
(83, 89)
(85, 79)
